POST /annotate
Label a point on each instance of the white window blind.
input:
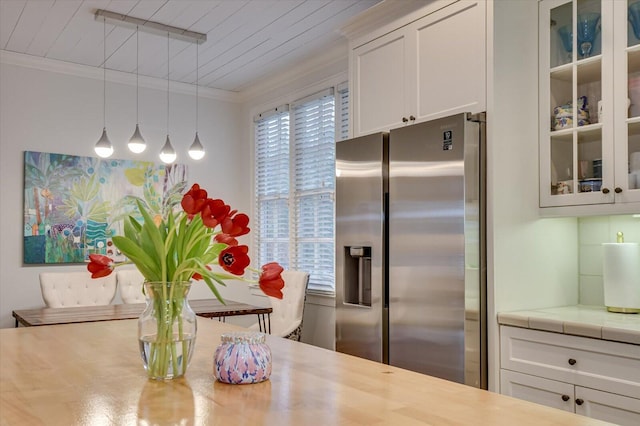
(295, 181)
(342, 111)
(272, 187)
(314, 136)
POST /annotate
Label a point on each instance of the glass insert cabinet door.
(589, 102)
(576, 102)
(627, 84)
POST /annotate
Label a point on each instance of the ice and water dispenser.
(357, 275)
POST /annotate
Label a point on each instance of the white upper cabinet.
(379, 84)
(430, 67)
(588, 128)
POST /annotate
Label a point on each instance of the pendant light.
(196, 150)
(137, 143)
(103, 147)
(168, 154)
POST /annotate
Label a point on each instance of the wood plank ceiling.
(246, 39)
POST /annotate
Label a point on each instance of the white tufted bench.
(130, 283)
(69, 289)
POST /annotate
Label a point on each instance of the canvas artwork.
(74, 205)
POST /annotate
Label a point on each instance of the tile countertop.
(579, 320)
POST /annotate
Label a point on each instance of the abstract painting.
(74, 205)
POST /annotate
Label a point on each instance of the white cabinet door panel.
(594, 363)
(536, 389)
(451, 52)
(609, 407)
(380, 77)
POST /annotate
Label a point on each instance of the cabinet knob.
(579, 401)
(605, 190)
(572, 361)
(565, 397)
(618, 190)
(412, 118)
(405, 119)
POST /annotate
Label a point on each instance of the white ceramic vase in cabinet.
(587, 137)
(429, 67)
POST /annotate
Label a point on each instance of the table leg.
(261, 324)
(264, 324)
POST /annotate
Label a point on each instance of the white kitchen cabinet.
(431, 67)
(591, 377)
(587, 136)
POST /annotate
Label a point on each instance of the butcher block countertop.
(579, 320)
(91, 373)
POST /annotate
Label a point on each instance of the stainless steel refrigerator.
(410, 248)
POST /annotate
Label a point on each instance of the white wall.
(61, 112)
(533, 262)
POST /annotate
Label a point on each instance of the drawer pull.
(579, 401)
(572, 361)
(565, 397)
(405, 119)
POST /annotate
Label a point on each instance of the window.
(295, 184)
(272, 187)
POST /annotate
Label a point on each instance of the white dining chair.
(286, 318)
(130, 282)
(70, 289)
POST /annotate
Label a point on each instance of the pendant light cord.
(104, 72)
(167, 83)
(137, 66)
(197, 46)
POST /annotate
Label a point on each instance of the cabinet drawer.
(599, 364)
(536, 389)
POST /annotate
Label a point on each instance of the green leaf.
(145, 263)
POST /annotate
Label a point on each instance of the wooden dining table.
(208, 308)
(91, 374)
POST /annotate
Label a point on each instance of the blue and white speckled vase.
(242, 357)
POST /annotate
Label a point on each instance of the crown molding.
(334, 59)
(387, 16)
(85, 71)
(380, 15)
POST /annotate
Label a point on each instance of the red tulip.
(198, 276)
(271, 282)
(194, 200)
(236, 225)
(214, 212)
(226, 239)
(234, 259)
(100, 266)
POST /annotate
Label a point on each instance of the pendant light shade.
(168, 154)
(137, 143)
(103, 147)
(196, 150)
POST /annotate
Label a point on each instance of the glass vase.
(166, 330)
(242, 357)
